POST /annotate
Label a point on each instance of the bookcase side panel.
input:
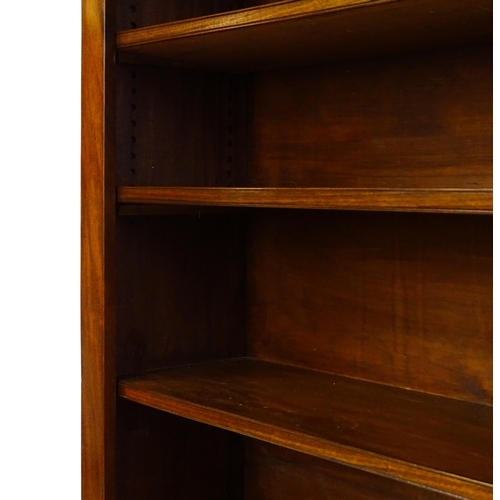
(164, 456)
(97, 254)
(180, 299)
(180, 290)
(178, 127)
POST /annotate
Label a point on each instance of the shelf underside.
(293, 33)
(437, 442)
(405, 200)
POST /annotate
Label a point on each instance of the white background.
(39, 250)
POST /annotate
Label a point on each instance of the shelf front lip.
(194, 42)
(368, 461)
(239, 19)
(477, 201)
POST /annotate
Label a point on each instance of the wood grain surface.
(180, 127)
(181, 294)
(398, 122)
(163, 456)
(97, 272)
(406, 200)
(276, 473)
(134, 14)
(419, 438)
(414, 121)
(401, 299)
(308, 31)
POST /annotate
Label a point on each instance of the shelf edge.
(477, 201)
(353, 457)
(238, 19)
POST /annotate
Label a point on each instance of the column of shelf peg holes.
(230, 131)
(133, 104)
(133, 119)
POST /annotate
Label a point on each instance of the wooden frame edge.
(97, 266)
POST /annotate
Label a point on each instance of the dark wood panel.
(134, 14)
(148, 210)
(416, 121)
(146, 12)
(420, 438)
(406, 200)
(163, 456)
(180, 127)
(97, 244)
(180, 290)
(276, 473)
(295, 33)
(402, 299)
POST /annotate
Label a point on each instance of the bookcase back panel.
(139, 13)
(180, 290)
(180, 127)
(274, 473)
(161, 456)
(421, 120)
(401, 299)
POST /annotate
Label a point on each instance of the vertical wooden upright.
(97, 313)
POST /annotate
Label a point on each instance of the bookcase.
(287, 249)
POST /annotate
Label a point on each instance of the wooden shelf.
(408, 200)
(441, 443)
(291, 33)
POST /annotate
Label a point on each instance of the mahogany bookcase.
(287, 249)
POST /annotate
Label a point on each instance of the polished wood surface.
(330, 126)
(162, 133)
(347, 420)
(410, 200)
(419, 121)
(164, 456)
(401, 299)
(138, 209)
(180, 294)
(307, 32)
(97, 237)
(132, 14)
(276, 473)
